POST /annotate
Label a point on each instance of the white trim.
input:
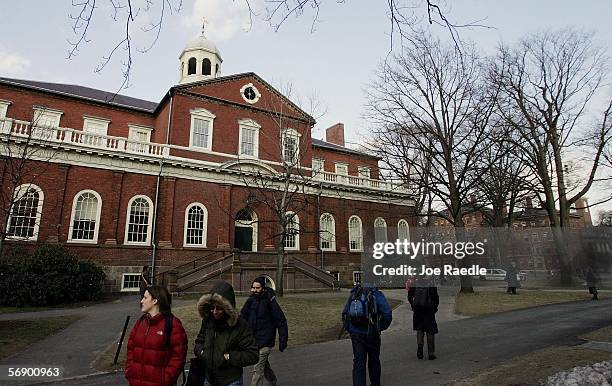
(361, 170)
(318, 174)
(127, 221)
(17, 195)
(98, 212)
(205, 115)
(4, 104)
(296, 220)
(204, 230)
(252, 125)
(92, 124)
(257, 93)
(135, 289)
(384, 227)
(332, 243)
(290, 132)
(41, 112)
(359, 237)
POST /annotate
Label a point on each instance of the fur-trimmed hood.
(221, 295)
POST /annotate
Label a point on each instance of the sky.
(335, 60)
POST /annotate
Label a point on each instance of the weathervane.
(204, 22)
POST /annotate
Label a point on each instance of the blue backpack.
(362, 308)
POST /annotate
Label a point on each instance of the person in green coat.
(224, 343)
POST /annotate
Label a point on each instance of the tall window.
(403, 232)
(292, 236)
(201, 129)
(317, 167)
(85, 216)
(24, 218)
(140, 212)
(249, 138)
(354, 225)
(206, 66)
(327, 229)
(196, 217)
(191, 66)
(290, 142)
(380, 230)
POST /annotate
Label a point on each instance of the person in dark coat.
(156, 351)
(424, 300)
(265, 317)
(591, 282)
(224, 343)
(512, 279)
(366, 339)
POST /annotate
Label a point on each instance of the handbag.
(197, 372)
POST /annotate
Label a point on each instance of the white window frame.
(364, 172)
(355, 274)
(4, 104)
(52, 115)
(205, 115)
(359, 247)
(127, 221)
(341, 177)
(134, 289)
(204, 230)
(257, 93)
(380, 223)
(17, 195)
(91, 124)
(248, 124)
(318, 172)
(402, 221)
(296, 221)
(332, 241)
(73, 212)
(292, 133)
(132, 129)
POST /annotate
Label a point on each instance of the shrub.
(51, 275)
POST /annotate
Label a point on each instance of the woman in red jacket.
(158, 344)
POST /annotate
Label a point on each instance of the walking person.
(224, 344)
(591, 282)
(512, 278)
(157, 345)
(424, 300)
(265, 317)
(366, 314)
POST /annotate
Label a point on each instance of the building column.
(224, 223)
(59, 209)
(115, 203)
(165, 214)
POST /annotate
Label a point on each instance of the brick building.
(128, 182)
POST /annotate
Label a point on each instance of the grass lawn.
(535, 367)
(488, 302)
(310, 319)
(104, 299)
(15, 335)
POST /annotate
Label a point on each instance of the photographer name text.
(446, 270)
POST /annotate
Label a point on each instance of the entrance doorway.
(245, 231)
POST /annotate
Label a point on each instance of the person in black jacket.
(224, 345)
(424, 300)
(264, 317)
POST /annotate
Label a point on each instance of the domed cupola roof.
(202, 43)
(200, 60)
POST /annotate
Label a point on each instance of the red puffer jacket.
(149, 362)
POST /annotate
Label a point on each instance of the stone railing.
(63, 135)
(344, 179)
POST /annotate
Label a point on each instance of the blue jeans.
(237, 382)
(366, 348)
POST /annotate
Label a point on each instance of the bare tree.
(430, 104)
(548, 83)
(604, 218)
(25, 155)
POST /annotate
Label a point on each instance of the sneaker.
(431, 357)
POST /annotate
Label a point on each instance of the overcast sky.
(335, 61)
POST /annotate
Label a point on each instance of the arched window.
(216, 68)
(327, 229)
(85, 218)
(292, 236)
(206, 66)
(380, 230)
(191, 66)
(403, 231)
(354, 225)
(138, 222)
(196, 218)
(25, 214)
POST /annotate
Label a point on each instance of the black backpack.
(422, 298)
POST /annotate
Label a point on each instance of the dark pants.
(593, 291)
(431, 342)
(366, 348)
(511, 290)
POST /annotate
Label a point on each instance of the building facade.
(126, 182)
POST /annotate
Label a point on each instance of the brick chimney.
(335, 134)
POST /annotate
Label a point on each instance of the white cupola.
(200, 60)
